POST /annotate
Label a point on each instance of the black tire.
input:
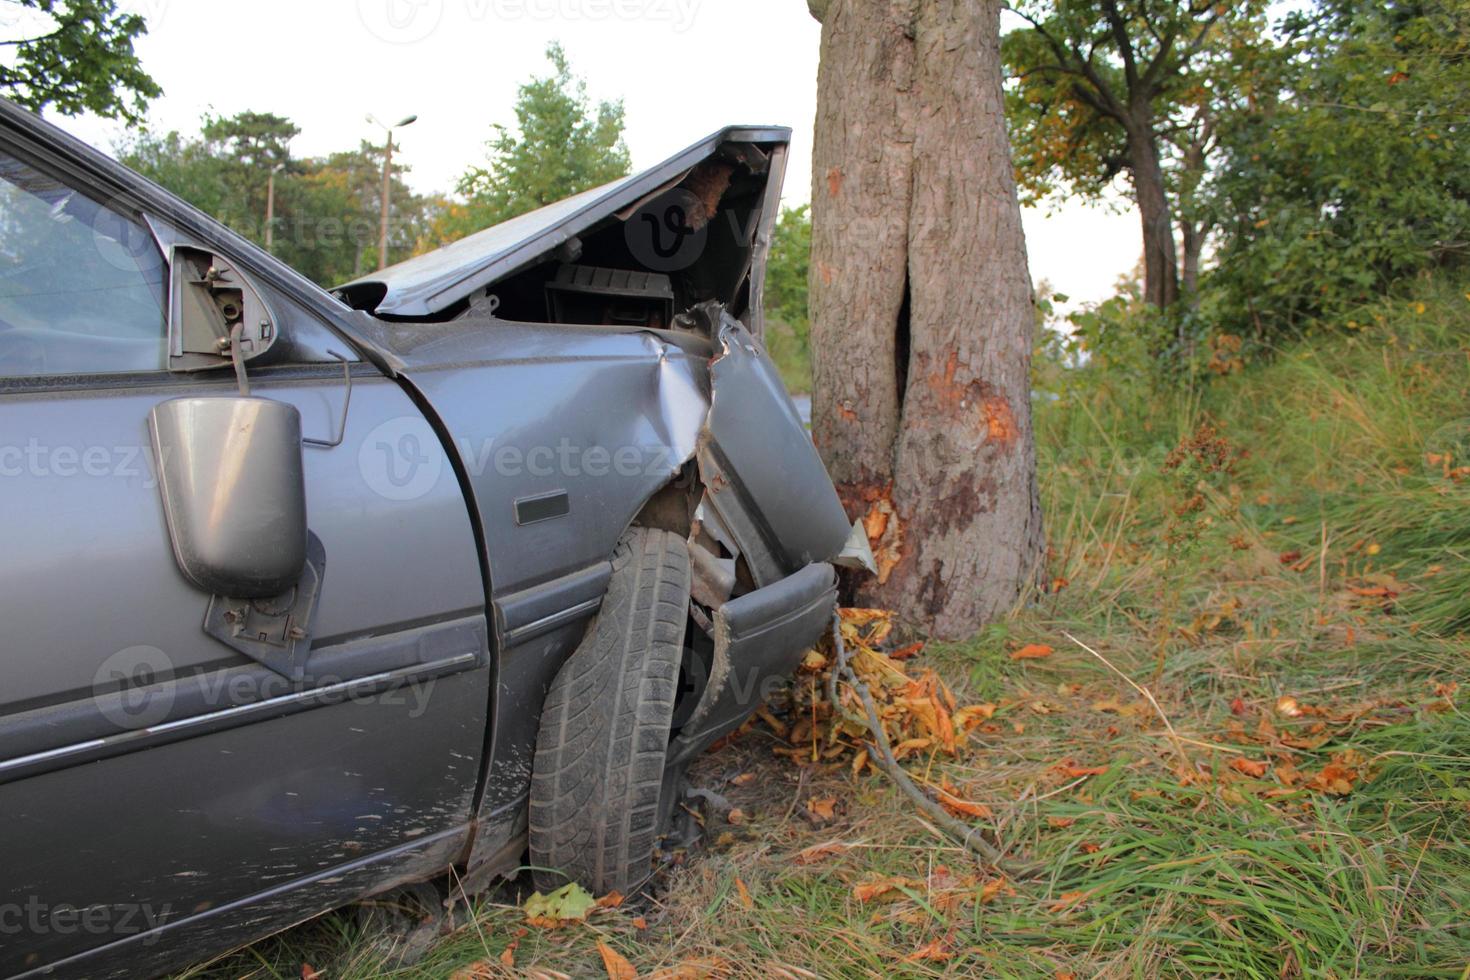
(599, 766)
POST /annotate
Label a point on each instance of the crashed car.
(311, 595)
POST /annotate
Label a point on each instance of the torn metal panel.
(762, 474)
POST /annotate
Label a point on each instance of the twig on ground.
(964, 834)
(1173, 735)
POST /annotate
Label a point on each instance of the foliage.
(76, 56)
(327, 209)
(1358, 176)
(788, 325)
(561, 145)
(1103, 86)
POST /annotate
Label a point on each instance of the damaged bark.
(921, 310)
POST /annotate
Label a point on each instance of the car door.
(161, 792)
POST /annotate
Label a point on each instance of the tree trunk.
(921, 309)
(1160, 262)
(1193, 242)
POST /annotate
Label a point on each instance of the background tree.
(327, 208)
(921, 308)
(76, 56)
(1105, 86)
(561, 145)
(1357, 174)
(788, 321)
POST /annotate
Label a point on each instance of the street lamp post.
(270, 205)
(387, 185)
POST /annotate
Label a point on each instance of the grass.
(1304, 617)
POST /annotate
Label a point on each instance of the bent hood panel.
(430, 283)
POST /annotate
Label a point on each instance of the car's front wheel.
(598, 772)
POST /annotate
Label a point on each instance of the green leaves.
(76, 56)
(561, 145)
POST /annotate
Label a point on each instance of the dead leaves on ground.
(919, 713)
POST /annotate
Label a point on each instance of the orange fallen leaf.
(937, 951)
(1060, 822)
(950, 799)
(822, 810)
(817, 852)
(1068, 901)
(907, 652)
(640, 923)
(744, 894)
(615, 963)
(508, 955)
(1033, 651)
(971, 715)
(1071, 770)
(743, 779)
(1237, 707)
(308, 973)
(1250, 767)
(991, 890)
(736, 816)
(868, 890)
(611, 900)
(1288, 707)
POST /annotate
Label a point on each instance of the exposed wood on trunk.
(921, 309)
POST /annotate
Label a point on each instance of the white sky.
(682, 67)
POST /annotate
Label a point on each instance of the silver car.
(308, 595)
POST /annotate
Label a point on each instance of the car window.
(81, 284)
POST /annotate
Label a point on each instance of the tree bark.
(1160, 261)
(921, 309)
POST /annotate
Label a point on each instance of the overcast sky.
(682, 67)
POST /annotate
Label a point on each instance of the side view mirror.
(234, 494)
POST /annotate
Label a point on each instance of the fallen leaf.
(478, 970)
(822, 810)
(616, 965)
(1033, 651)
(736, 817)
(869, 890)
(907, 652)
(744, 894)
(639, 922)
(818, 852)
(611, 900)
(1250, 767)
(972, 715)
(911, 745)
(569, 903)
(1237, 707)
(937, 951)
(1288, 707)
(991, 890)
(307, 973)
(1060, 822)
(743, 779)
(1068, 901)
(508, 955)
(1071, 770)
(858, 761)
(950, 799)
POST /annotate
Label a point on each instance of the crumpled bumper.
(760, 638)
